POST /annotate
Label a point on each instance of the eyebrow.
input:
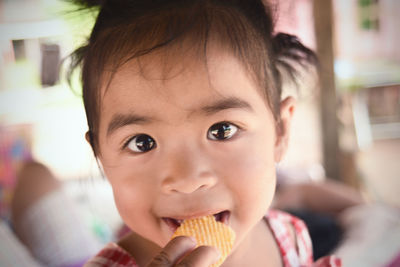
(121, 120)
(226, 103)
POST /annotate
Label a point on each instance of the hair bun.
(290, 47)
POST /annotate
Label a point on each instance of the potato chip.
(207, 231)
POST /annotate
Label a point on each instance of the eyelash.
(128, 140)
(236, 131)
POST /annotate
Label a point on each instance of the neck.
(258, 249)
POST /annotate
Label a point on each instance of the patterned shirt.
(284, 227)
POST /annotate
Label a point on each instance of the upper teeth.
(218, 217)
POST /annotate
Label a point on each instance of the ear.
(87, 137)
(287, 108)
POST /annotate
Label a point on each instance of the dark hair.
(128, 29)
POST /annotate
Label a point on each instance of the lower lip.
(171, 224)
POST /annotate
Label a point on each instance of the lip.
(173, 222)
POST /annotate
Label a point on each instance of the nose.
(187, 171)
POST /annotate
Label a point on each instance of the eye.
(222, 131)
(141, 143)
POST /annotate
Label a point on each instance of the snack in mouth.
(209, 232)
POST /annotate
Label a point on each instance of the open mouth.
(173, 223)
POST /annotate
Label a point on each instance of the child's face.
(199, 141)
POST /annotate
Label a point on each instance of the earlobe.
(287, 108)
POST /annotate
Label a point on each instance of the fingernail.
(217, 253)
(193, 239)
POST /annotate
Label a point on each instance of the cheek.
(254, 184)
(128, 199)
(251, 174)
(132, 196)
(135, 205)
(130, 202)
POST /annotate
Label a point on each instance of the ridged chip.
(207, 231)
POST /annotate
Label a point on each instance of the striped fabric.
(112, 256)
(294, 241)
(290, 234)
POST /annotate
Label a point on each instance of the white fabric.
(12, 251)
(56, 233)
(372, 235)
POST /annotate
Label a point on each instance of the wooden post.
(323, 25)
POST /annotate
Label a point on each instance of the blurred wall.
(358, 43)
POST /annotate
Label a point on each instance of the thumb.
(173, 252)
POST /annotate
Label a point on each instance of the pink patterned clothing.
(284, 227)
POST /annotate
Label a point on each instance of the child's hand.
(182, 251)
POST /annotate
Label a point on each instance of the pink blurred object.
(15, 148)
(395, 262)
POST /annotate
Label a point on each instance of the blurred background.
(346, 127)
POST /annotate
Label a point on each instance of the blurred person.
(340, 219)
(319, 205)
(47, 222)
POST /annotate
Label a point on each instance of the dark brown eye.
(141, 143)
(222, 131)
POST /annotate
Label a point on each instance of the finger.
(202, 256)
(173, 252)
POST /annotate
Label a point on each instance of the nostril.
(203, 186)
(188, 185)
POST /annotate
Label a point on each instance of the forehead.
(158, 83)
